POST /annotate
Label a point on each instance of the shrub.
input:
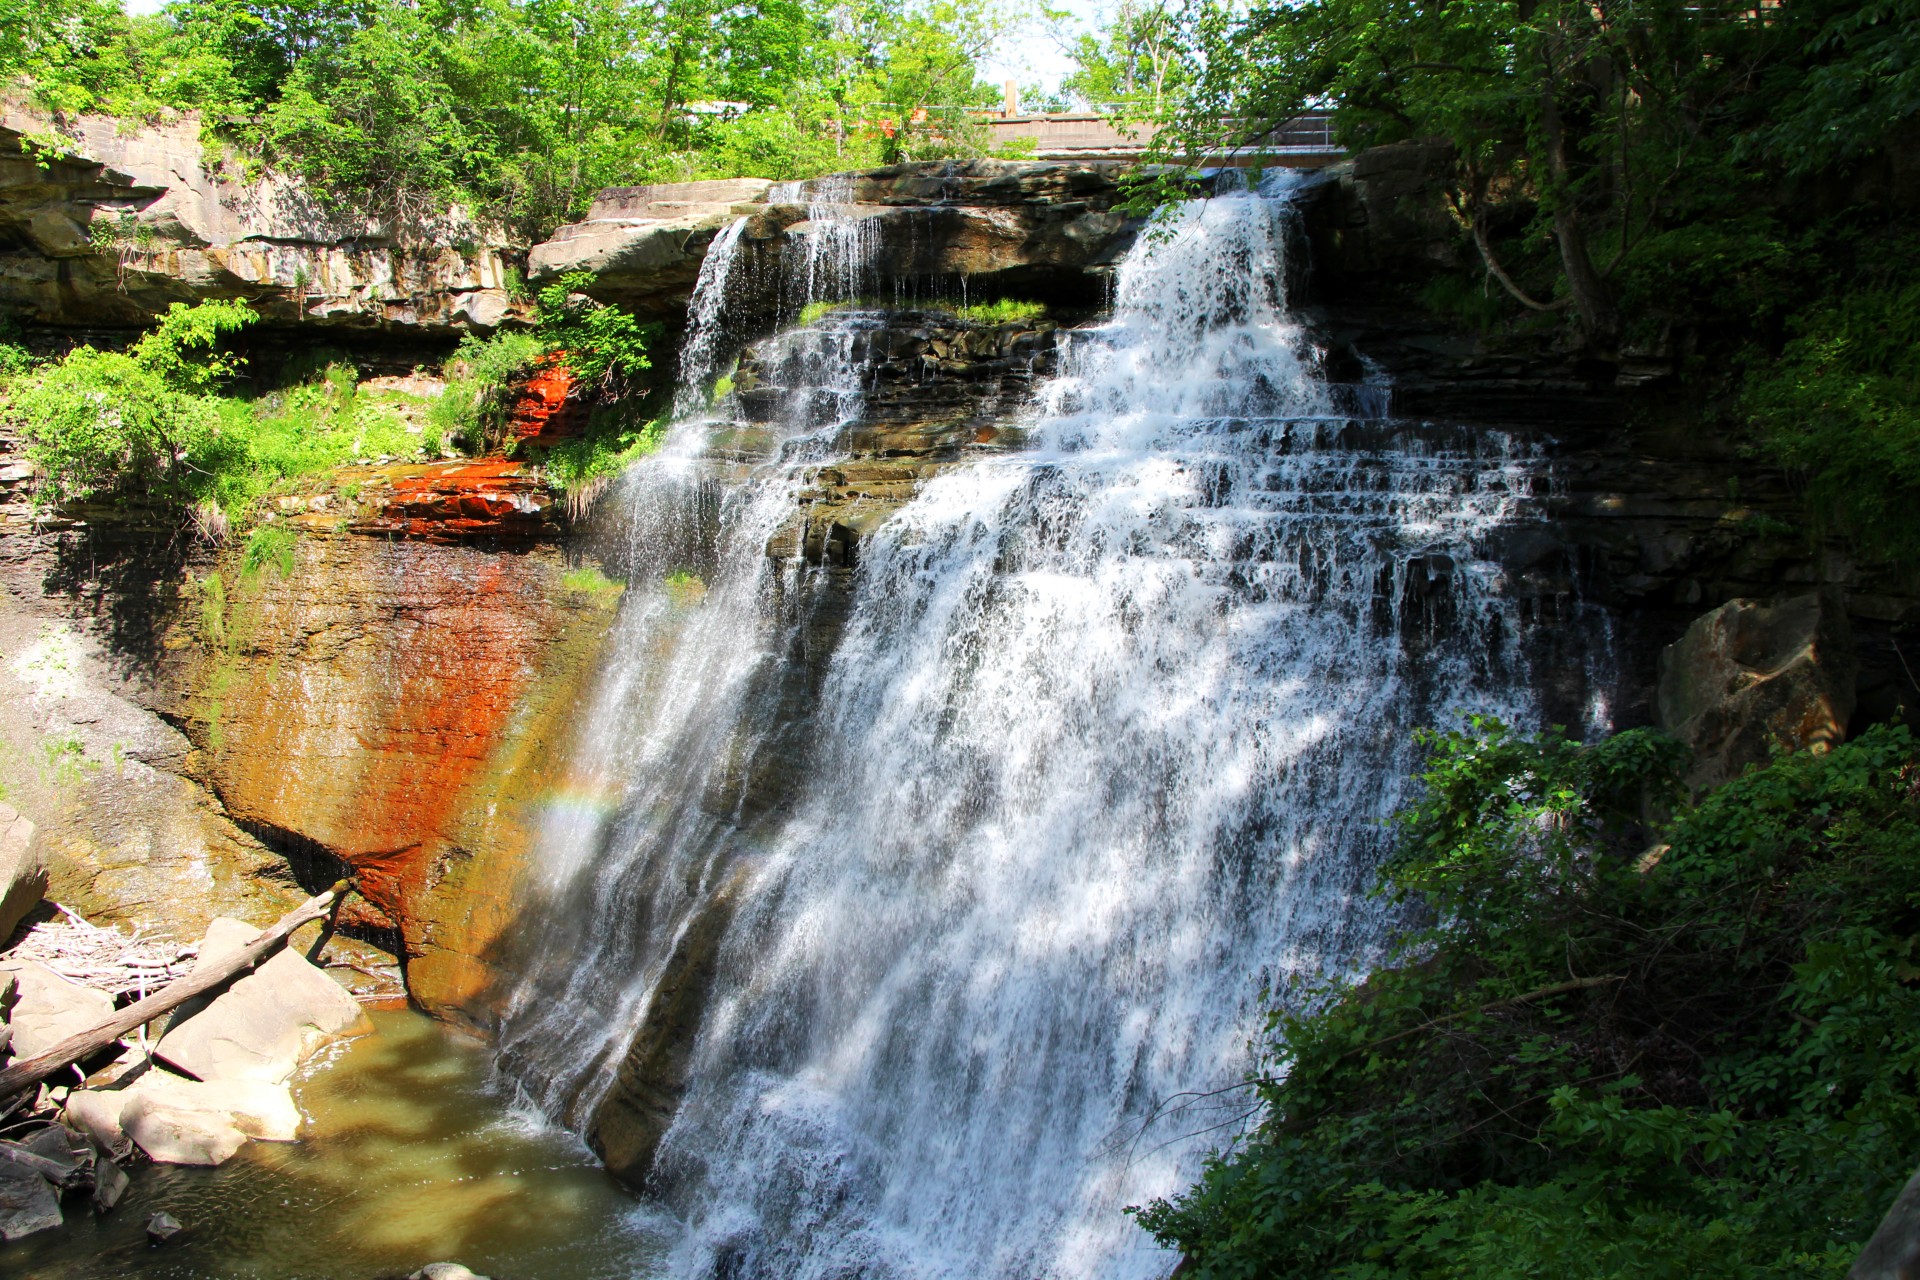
(601, 344)
(1840, 410)
(473, 408)
(1601, 1057)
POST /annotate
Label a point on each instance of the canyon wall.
(401, 696)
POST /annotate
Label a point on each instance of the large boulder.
(23, 872)
(48, 1008)
(180, 1121)
(28, 1202)
(263, 1026)
(1754, 676)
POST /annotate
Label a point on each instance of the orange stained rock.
(547, 408)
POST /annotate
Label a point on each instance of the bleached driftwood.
(103, 957)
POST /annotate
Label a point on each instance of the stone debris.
(49, 1161)
(263, 1026)
(28, 1202)
(48, 1008)
(23, 871)
(162, 1227)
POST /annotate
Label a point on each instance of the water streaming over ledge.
(1100, 749)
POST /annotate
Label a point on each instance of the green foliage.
(148, 421)
(1612, 163)
(575, 466)
(1695, 1059)
(588, 580)
(1840, 409)
(599, 343)
(521, 110)
(1138, 59)
(480, 374)
(602, 345)
(142, 419)
(268, 544)
(14, 361)
(64, 761)
(998, 312)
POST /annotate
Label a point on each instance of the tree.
(1610, 121)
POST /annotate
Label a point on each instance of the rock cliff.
(101, 227)
(400, 699)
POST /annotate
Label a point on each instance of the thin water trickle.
(1100, 748)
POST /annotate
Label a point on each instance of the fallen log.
(31, 1071)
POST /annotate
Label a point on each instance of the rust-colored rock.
(396, 704)
(450, 502)
(549, 408)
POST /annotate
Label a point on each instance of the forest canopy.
(521, 109)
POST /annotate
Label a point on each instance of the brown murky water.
(407, 1158)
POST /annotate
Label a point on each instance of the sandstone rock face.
(265, 1025)
(644, 245)
(1751, 676)
(23, 871)
(398, 706)
(47, 1008)
(180, 231)
(126, 833)
(1003, 225)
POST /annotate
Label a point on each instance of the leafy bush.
(601, 344)
(582, 469)
(1603, 1056)
(140, 419)
(1840, 409)
(480, 374)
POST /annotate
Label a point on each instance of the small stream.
(408, 1157)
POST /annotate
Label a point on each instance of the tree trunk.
(1593, 299)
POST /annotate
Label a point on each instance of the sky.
(1035, 54)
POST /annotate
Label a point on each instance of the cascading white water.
(1102, 751)
(706, 321)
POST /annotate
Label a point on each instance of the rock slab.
(263, 1026)
(1754, 675)
(48, 1008)
(28, 1203)
(23, 872)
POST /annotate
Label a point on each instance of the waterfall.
(706, 320)
(1099, 750)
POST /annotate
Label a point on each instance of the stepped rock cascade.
(889, 936)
